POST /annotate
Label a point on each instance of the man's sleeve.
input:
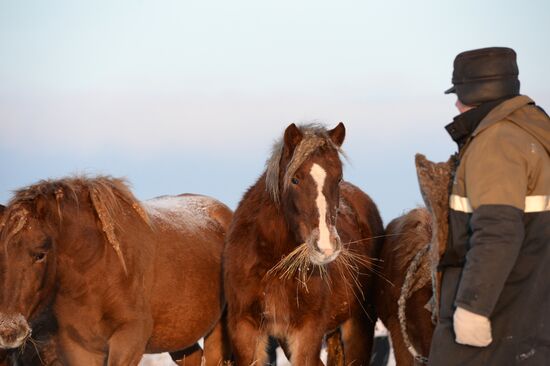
(496, 184)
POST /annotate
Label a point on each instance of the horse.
(413, 246)
(121, 277)
(298, 259)
(405, 287)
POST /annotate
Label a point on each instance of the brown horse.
(406, 264)
(121, 277)
(411, 253)
(298, 255)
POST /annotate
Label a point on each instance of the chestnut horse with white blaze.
(121, 277)
(298, 255)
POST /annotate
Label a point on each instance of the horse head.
(50, 234)
(309, 174)
(28, 269)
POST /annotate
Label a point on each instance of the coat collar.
(502, 111)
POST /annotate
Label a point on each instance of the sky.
(188, 96)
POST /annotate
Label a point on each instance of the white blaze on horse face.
(319, 175)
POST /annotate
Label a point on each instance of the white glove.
(471, 329)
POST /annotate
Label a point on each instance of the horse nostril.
(10, 335)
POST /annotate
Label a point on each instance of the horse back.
(405, 236)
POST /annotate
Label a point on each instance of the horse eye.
(295, 180)
(38, 257)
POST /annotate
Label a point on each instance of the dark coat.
(497, 262)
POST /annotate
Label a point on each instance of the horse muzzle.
(325, 252)
(14, 330)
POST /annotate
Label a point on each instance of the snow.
(175, 210)
(162, 359)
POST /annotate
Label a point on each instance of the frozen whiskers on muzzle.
(325, 256)
(14, 331)
(325, 251)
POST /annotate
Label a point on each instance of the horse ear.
(337, 134)
(2, 209)
(292, 138)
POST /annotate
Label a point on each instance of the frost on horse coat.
(121, 277)
(298, 256)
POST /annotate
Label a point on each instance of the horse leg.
(305, 345)
(127, 344)
(249, 342)
(217, 348)
(74, 354)
(335, 353)
(380, 351)
(358, 336)
(272, 344)
(402, 355)
(285, 347)
(191, 356)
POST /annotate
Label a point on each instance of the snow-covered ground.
(162, 359)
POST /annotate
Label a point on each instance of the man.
(495, 293)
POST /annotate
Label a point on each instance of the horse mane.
(315, 136)
(46, 198)
(412, 232)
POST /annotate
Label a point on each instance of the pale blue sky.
(187, 96)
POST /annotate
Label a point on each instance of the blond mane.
(315, 136)
(46, 199)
